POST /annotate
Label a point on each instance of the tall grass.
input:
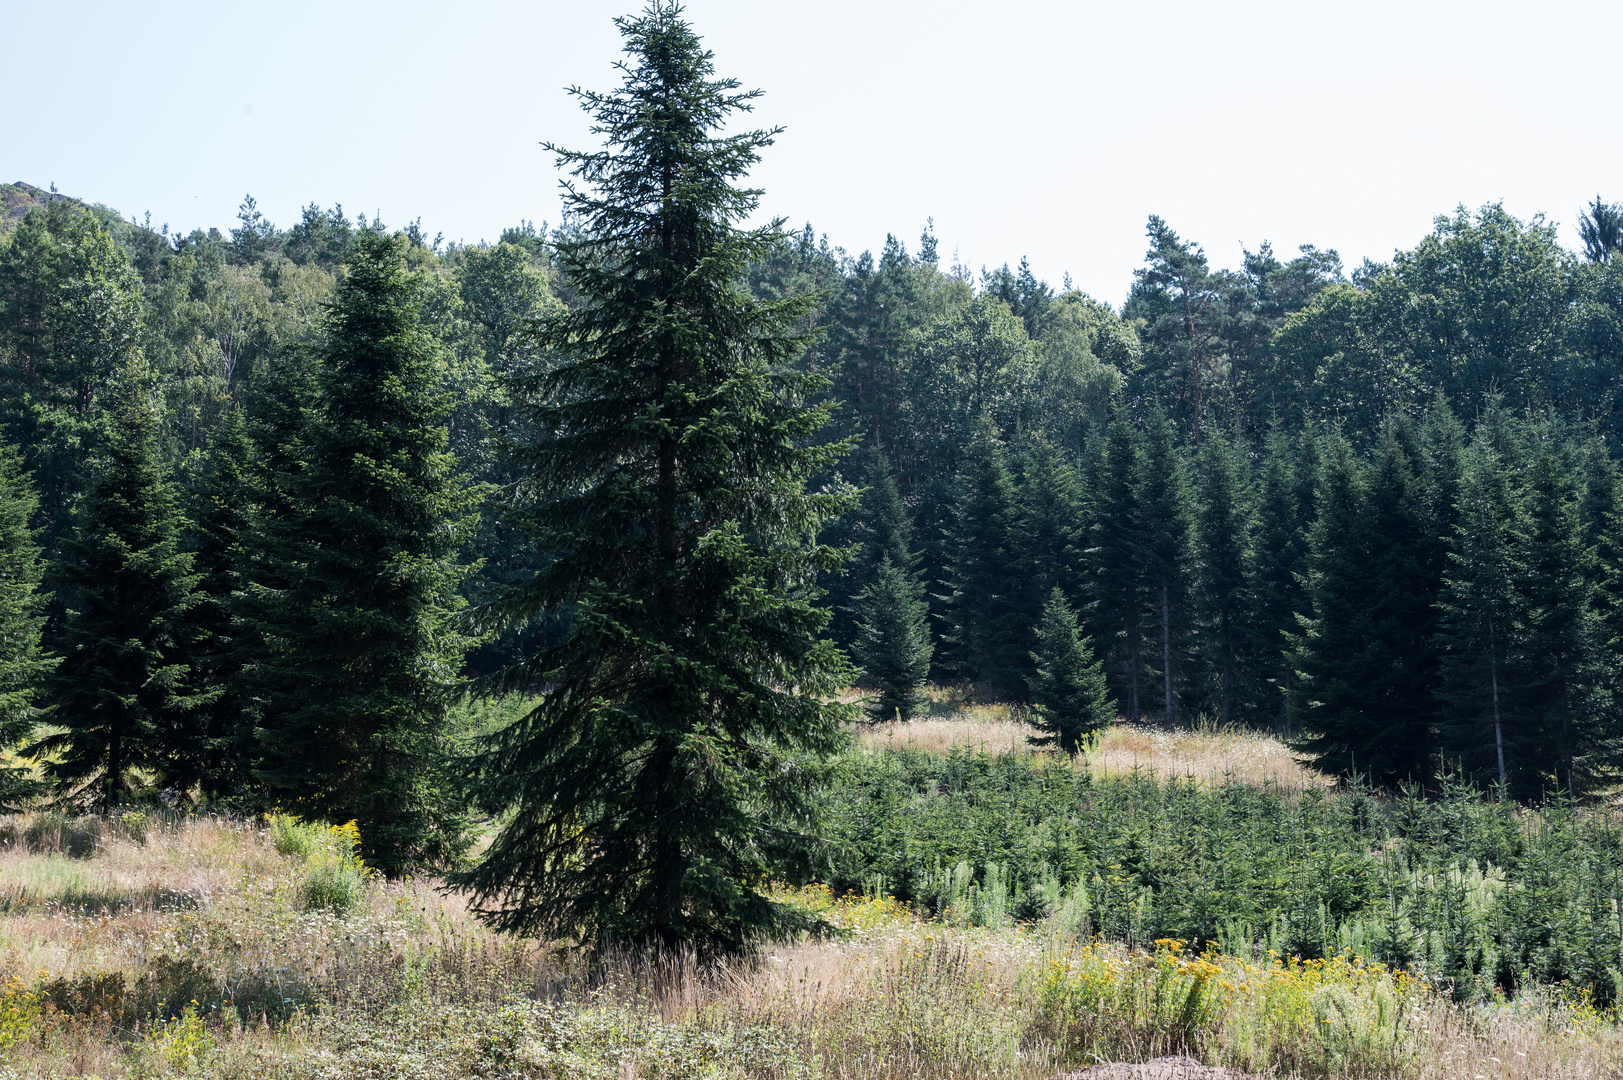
(255, 981)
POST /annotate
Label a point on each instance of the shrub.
(335, 878)
(291, 836)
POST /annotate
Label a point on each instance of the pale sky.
(1049, 130)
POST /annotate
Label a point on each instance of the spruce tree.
(353, 597)
(893, 645)
(1482, 606)
(663, 773)
(1334, 713)
(1408, 558)
(219, 507)
(1047, 538)
(126, 698)
(1563, 665)
(1224, 519)
(984, 639)
(1367, 661)
(1279, 569)
(1166, 537)
(883, 528)
(23, 665)
(1120, 602)
(1068, 689)
(1601, 515)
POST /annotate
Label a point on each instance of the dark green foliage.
(1280, 567)
(1166, 539)
(126, 696)
(220, 505)
(1179, 298)
(70, 319)
(23, 666)
(1563, 664)
(1048, 537)
(1482, 609)
(892, 643)
(983, 642)
(1120, 599)
(1368, 662)
(1068, 690)
(1600, 227)
(893, 646)
(1224, 520)
(1482, 894)
(665, 772)
(354, 589)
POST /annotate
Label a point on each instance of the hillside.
(16, 200)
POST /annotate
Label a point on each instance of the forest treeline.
(1377, 511)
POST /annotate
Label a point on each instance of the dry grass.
(1209, 756)
(409, 986)
(1248, 757)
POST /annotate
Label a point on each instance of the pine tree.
(661, 776)
(1166, 539)
(983, 643)
(1068, 690)
(126, 696)
(24, 667)
(1117, 558)
(354, 594)
(893, 645)
(1224, 520)
(1481, 605)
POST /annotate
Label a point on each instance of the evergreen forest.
(577, 542)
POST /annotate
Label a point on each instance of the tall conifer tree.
(223, 755)
(1224, 520)
(892, 643)
(1482, 609)
(355, 590)
(1568, 709)
(1166, 538)
(126, 696)
(1337, 725)
(1048, 537)
(984, 636)
(1068, 689)
(1280, 567)
(1117, 556)
(661, 777)
(23, 665)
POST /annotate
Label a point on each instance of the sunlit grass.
(1212, 755)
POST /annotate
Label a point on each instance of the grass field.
(151, 946)
(1212, 756)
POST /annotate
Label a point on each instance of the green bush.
(335, 877)
(295, 837)
(1474, 893)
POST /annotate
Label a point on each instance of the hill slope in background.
(19, 198)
